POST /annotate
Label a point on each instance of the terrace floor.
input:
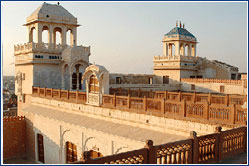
(122, 130)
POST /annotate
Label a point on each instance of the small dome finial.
(58, 3)
(183, 26)
(180, 24)
(176, 23)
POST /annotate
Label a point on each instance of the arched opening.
(186, 50)
(57, 36)
(93, 84)
(45, 34)
(33, 35)
(69, 37)
(173, 50)
(94, 154)
(182, 49)
(82, 85)
(74, 78)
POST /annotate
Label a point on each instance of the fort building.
(76, 111)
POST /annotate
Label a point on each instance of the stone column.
(62, 78)
(70, 80)
(183, 49)
(50, 34)
(64, 36)
(190, 50)
(30, 34)
(195, 50)
(167, 49)
(77, 78)
(39, 33)
(177, 48)
(170, 49)
(74, 36)
(54, 38)
(164, 49)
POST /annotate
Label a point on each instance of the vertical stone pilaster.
(39, 33)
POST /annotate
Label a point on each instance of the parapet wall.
(162, 124)
(14, 136)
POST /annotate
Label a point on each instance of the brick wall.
(14, 136)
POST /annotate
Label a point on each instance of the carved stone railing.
(206, 149)
(178, 96)
(42, 47)
(58, 94)
(173, 106)
(176, 57)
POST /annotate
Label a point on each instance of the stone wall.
(133, 78)
(25, 86)
(14, 136)
(47, 75)
(213, 88)
(153, 87)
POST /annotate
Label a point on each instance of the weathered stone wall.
(212, 69)
(47, 75)
(213, 88)
(14, 136)
(27, 82)
(133, 78)
(174, 75)
(153, 87)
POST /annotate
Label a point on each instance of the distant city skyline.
(124, 36)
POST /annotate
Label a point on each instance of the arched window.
(57, 35)
(45, 34)
(33, 33)
(186, 50)
(173, 50)
(69, 37)
(93, 84)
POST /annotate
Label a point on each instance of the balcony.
(175, 58)
(41, 47)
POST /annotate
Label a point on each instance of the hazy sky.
(124, 36)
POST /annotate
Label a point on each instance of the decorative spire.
(176, 23)
(183, 26)
(180, 24)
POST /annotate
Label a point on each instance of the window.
(118, 80)
(222, 89)
(192, 76)
(71, 152)
(94, 154)
(150, 80)
(94, 84)
(192, 87)
(74, 81)
(165, 79)
(199, 76)
(233, 76)
(40, 148)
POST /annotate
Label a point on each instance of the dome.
(52, 13)
(179, 31)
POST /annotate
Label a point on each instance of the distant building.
(180, 59)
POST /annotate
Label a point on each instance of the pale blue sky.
(124, 36)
